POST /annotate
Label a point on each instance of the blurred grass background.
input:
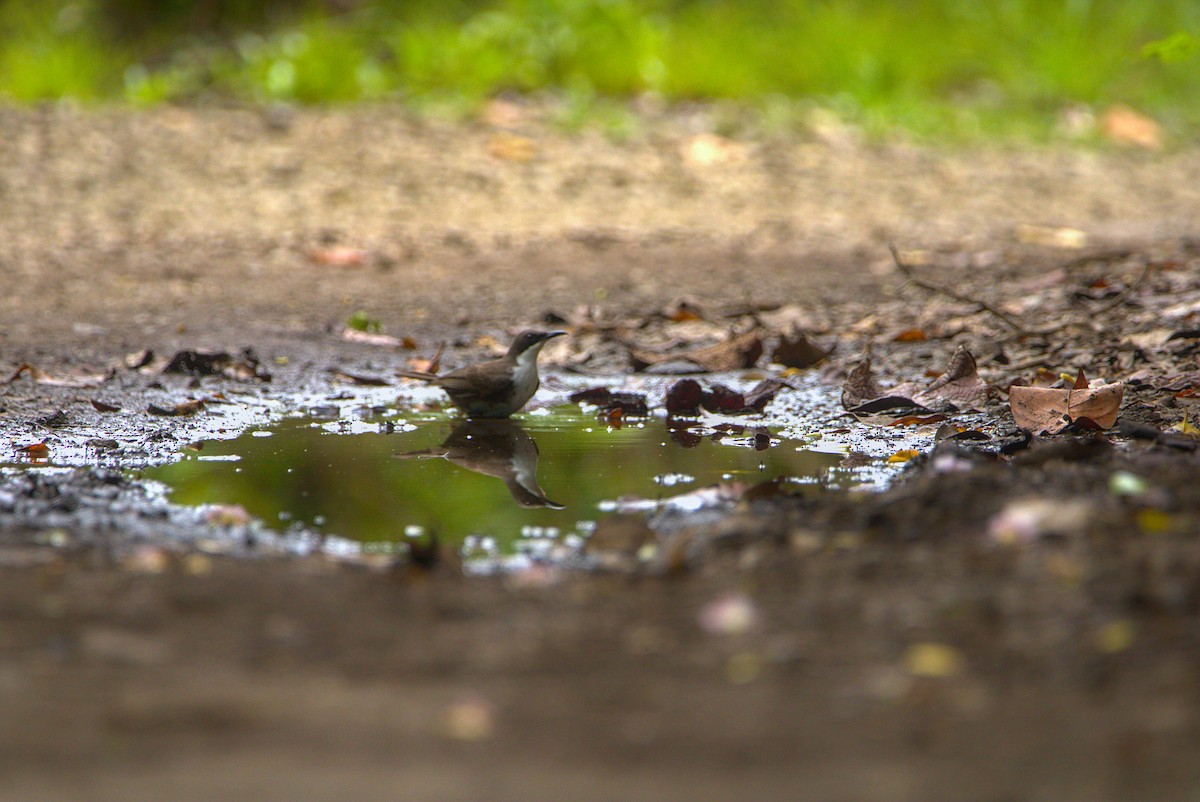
(945, 68)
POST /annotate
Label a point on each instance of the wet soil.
(899, 645)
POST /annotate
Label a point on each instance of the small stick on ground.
(949, 293)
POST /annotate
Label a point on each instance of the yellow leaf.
(904, 455)
(933, 660)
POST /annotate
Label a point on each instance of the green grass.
(948, 68)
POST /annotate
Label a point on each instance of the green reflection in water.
(497, 478)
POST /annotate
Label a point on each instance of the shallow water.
(380, 481)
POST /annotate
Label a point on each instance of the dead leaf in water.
(684, 398)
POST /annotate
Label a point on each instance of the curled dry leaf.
(797, 351)
(1050, 410)
(959, 387)
(735, 353)
(42, 377)
(199, 362)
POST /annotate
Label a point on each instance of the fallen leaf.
(903, 455)
(338, 256)
(1050, 410)
(512, 148)
(181, 409)
(628, 404)
(1122, 124)
(356, 378)
(139, 359)
(35, 450)
(960, 387)
(910, 336)
(100, 406)
(373, 338)
(705, 150)
(723, 400)
(40, 376)
(933, 660)
(735, 353)
(797, 351)
(684, 398)
(200, 362)
(1050, 236)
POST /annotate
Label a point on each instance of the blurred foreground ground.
(894, 655)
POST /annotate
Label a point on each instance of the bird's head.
(531, 341)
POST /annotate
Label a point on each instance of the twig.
(1124, 294)
(958, 296)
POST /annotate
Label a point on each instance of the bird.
(496, 388)
(499, 448)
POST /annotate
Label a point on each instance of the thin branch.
(949, 293)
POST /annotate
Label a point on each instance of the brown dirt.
(1067, 670)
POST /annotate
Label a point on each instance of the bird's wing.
(463, 384)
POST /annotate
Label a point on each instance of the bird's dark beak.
(550, 335)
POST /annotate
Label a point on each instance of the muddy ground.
(875, 647)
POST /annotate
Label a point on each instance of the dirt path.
(893, 655)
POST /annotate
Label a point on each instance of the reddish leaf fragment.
(338, 256)
(910, 336)
(35, 450)
(797, 351)
(918, 420)
(684, 398)
(1081, 382)
(100, 406)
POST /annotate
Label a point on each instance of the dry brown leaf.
(42, 377)
(339, 256)
(35, 450)
(1050, 410)
(797, 351)
(735, 353)
(512, 148)
(372, 338)
(1051, 236)
(1129, 127)
(960, 385)
(860, 386)
(704, 150)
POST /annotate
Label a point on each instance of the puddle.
(488, 485)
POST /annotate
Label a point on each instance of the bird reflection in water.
(494, 447)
